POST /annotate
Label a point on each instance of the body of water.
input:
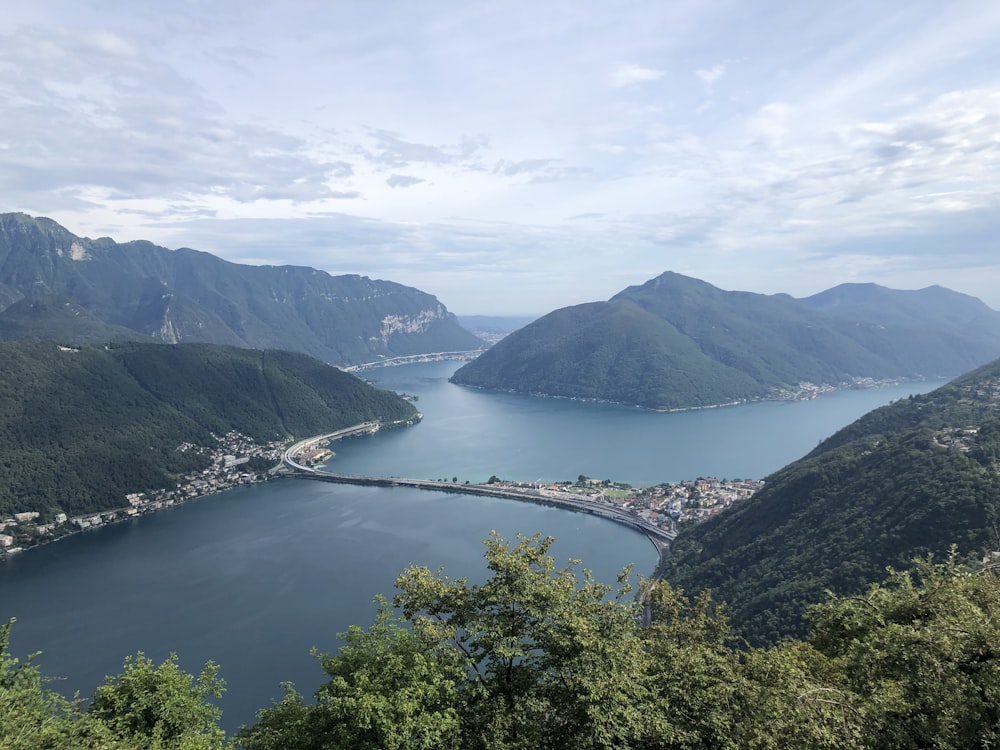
(471, 434)
(253, 578)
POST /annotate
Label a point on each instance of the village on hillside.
(237, 460)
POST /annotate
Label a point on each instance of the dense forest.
(677, 342)
(82, 426)
(911, 478)
(542, 658)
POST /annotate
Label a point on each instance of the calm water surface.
(254, 577)
(472, 434)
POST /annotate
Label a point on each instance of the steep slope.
(190, 296)
(883, 319)
(695, 345)
(607, 351)
(58, 320)
(80, 428)
(913, 477)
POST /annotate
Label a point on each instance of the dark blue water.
(254, 577)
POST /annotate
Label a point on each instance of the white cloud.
(710, 75)
(631, 74)
(849, 140)
(402, 180)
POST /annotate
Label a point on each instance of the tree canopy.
(543, 657)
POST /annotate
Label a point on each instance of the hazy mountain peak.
(189, 295)
(696, 345)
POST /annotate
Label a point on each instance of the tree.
(551, 655)
(34, 717)
(921, 653)
(389, 689)
(161, 706)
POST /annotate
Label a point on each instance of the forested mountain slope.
(182, 296)
(908, 479)
(677, 342)
(81, 427)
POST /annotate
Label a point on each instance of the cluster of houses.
(963, 438)
(227, 470)
(665, 505)
(693, 500)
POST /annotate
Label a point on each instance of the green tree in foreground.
(921, 654)
(546, 658)
(34, 717)
(539, 657)
(389, 688)
(153, 708)
(161, 706)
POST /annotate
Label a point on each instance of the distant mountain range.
(81, 427)
(55, 285)
(911, 478)
(677, 342)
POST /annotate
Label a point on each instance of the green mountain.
(183, 296)
(908, 479)
(81, 427)
(677, 342)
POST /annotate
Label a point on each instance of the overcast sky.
(514, 157)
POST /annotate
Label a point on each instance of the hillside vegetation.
(542, 658)
(55, 285)
(677, 342)
(908, 479)
(81, 427)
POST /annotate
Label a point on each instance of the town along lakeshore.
(255, 576)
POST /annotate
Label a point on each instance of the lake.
(254, 577)
(473, 434)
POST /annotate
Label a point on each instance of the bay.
(471, 434)
(253, 578)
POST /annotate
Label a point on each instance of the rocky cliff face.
(184, 295)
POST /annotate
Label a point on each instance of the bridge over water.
(661, 538)
(413, 358)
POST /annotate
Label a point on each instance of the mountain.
(677, 342)
(81, 427)
(911, 478)
(73, 286)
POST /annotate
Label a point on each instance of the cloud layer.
(513, 158)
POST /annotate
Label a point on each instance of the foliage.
(677, 342)
(389, 688)
(161, 706)
(921, 654)
(152, 709)
(81, 428)
(549, 654)
(891, 486)
(539, 657)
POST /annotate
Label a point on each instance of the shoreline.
(805, 392)
(223, 474)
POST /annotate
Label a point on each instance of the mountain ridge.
(187, 295)
(718, 347)
(908, 479)
(82, 426)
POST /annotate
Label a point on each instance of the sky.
(516, 157)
